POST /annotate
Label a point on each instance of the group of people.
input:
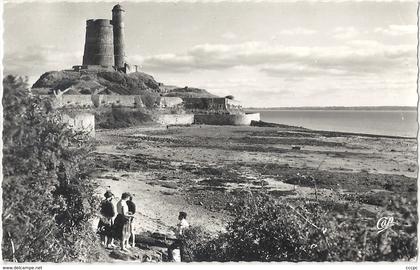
(120, 227)
(118, 224)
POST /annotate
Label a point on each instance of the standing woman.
(122, 221)
(106, 220)
(132, 209)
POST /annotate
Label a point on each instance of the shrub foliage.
(264, 229)
(48, 198)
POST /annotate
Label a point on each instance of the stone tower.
(119, 47)
(99, 44)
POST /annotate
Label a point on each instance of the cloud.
(229, 36)
(346, 32)
(220, 56)
(301, 71)
(34, 60)
(357, 57)
(397, 30)
(297, 31)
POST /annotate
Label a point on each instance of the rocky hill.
(109, 82)
(189, 92)
(100, 82)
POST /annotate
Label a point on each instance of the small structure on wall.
(213, 106)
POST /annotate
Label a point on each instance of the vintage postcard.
(209, 131)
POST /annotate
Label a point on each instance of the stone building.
(104, 44)
(213, 106)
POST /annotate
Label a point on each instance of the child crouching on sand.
(179, 232)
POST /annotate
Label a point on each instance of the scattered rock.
(280, 193)
(119, 255)
(168, 193)
(169, 185)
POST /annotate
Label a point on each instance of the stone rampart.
(117, 100)
(175, 119)
(212, 106)
(170, 102)
(95, 101)
(72, 101)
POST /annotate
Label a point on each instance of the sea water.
(379, 122)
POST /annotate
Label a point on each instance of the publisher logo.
(384, 223)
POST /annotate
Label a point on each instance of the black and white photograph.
(204, 131)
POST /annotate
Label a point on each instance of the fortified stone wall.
(170, 102)
(90, 101)
(72, 101)
(233, 106)
(226, 119)
(92, 68)
(81, 122)
(175, 119)
(117, 100)
(212, 106)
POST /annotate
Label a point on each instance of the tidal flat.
(203, 170)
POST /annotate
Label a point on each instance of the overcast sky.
(266, 54)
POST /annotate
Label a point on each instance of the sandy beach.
(203, 169)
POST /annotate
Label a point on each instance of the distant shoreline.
(336, 108)
(329, 132)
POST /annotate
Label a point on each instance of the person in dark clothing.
(106, 221)
(132, 209)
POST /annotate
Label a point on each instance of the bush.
(133, 83)
(195, 241)
(150, 99)
(267, 230)
(48, 198)
(121, 118)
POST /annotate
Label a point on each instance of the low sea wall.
(81, 122)
(175, 119)
(226, 119)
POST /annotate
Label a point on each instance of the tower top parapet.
(117, 7)
(103, 22)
